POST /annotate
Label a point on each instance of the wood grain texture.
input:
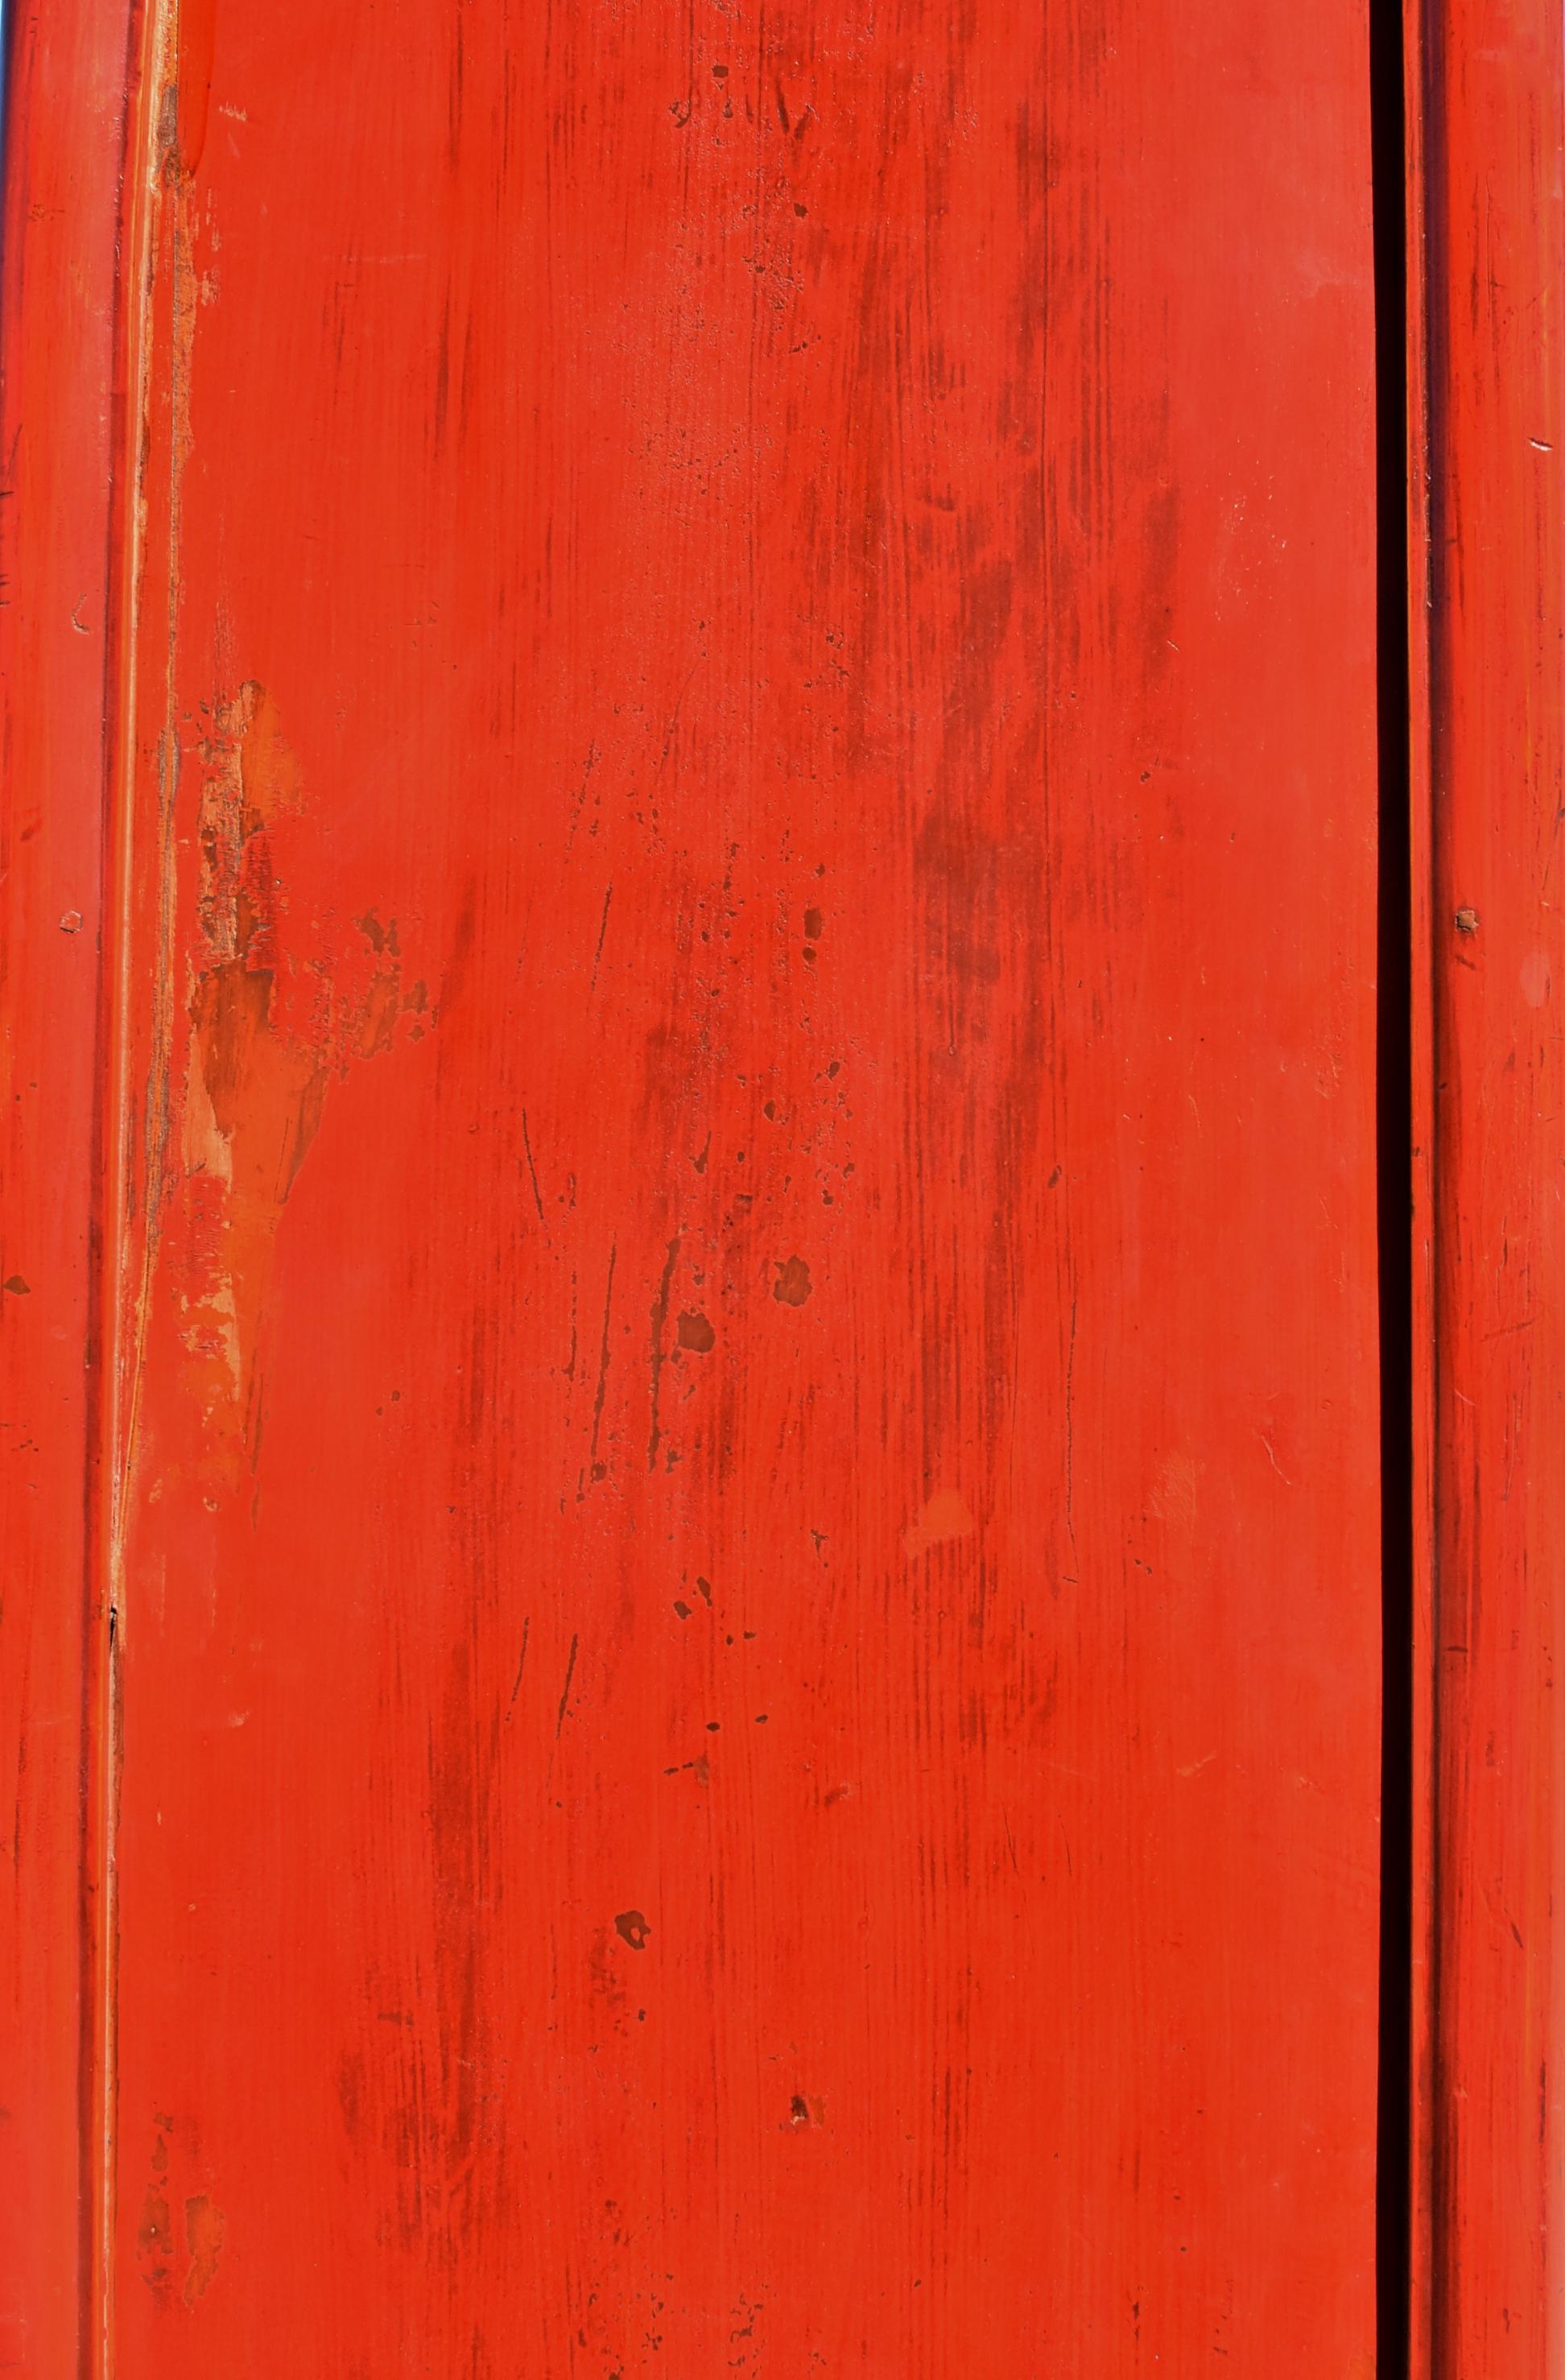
(1491, 2285)
(743, 1308)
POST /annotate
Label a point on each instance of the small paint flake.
(793, 1283)
(945, 1517)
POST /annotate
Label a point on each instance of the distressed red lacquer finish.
(744, 1531)
(1489, 2298)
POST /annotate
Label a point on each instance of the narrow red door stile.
(1488, 266)
(66, 78)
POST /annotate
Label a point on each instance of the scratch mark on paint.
(581, 797)
(521, 1665)
(1271, 1458)
(602, 930)
(678, 707)
(595, 1468)
(532, 1169)
(659, 1323)
(565, 1689)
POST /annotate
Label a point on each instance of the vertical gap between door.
(1395, 1188)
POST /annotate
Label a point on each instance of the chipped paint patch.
(205, 2229)
(944, 1517)
(1176, 1493)
(793, 1283)
(274, 1018)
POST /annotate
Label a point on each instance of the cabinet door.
(733, 1650)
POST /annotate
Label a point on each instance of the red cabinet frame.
(109, 107)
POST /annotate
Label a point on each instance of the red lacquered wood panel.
(1490, 2298)
(741, 1194)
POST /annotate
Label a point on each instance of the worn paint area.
(178, 2239)
(740, 1421)
(279, 1009)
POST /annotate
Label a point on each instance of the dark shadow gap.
(1394, 1189)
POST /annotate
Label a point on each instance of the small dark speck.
(17, 1287)
(1467, 922)
(815, 925)
(719, 74)
(714, 1725)
(760, 1719)
(696, 1333)
(682, 1608)
(632, 1927)
(799, 2110)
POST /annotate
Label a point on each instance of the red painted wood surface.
(739, 1197)
(1490, 2287)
